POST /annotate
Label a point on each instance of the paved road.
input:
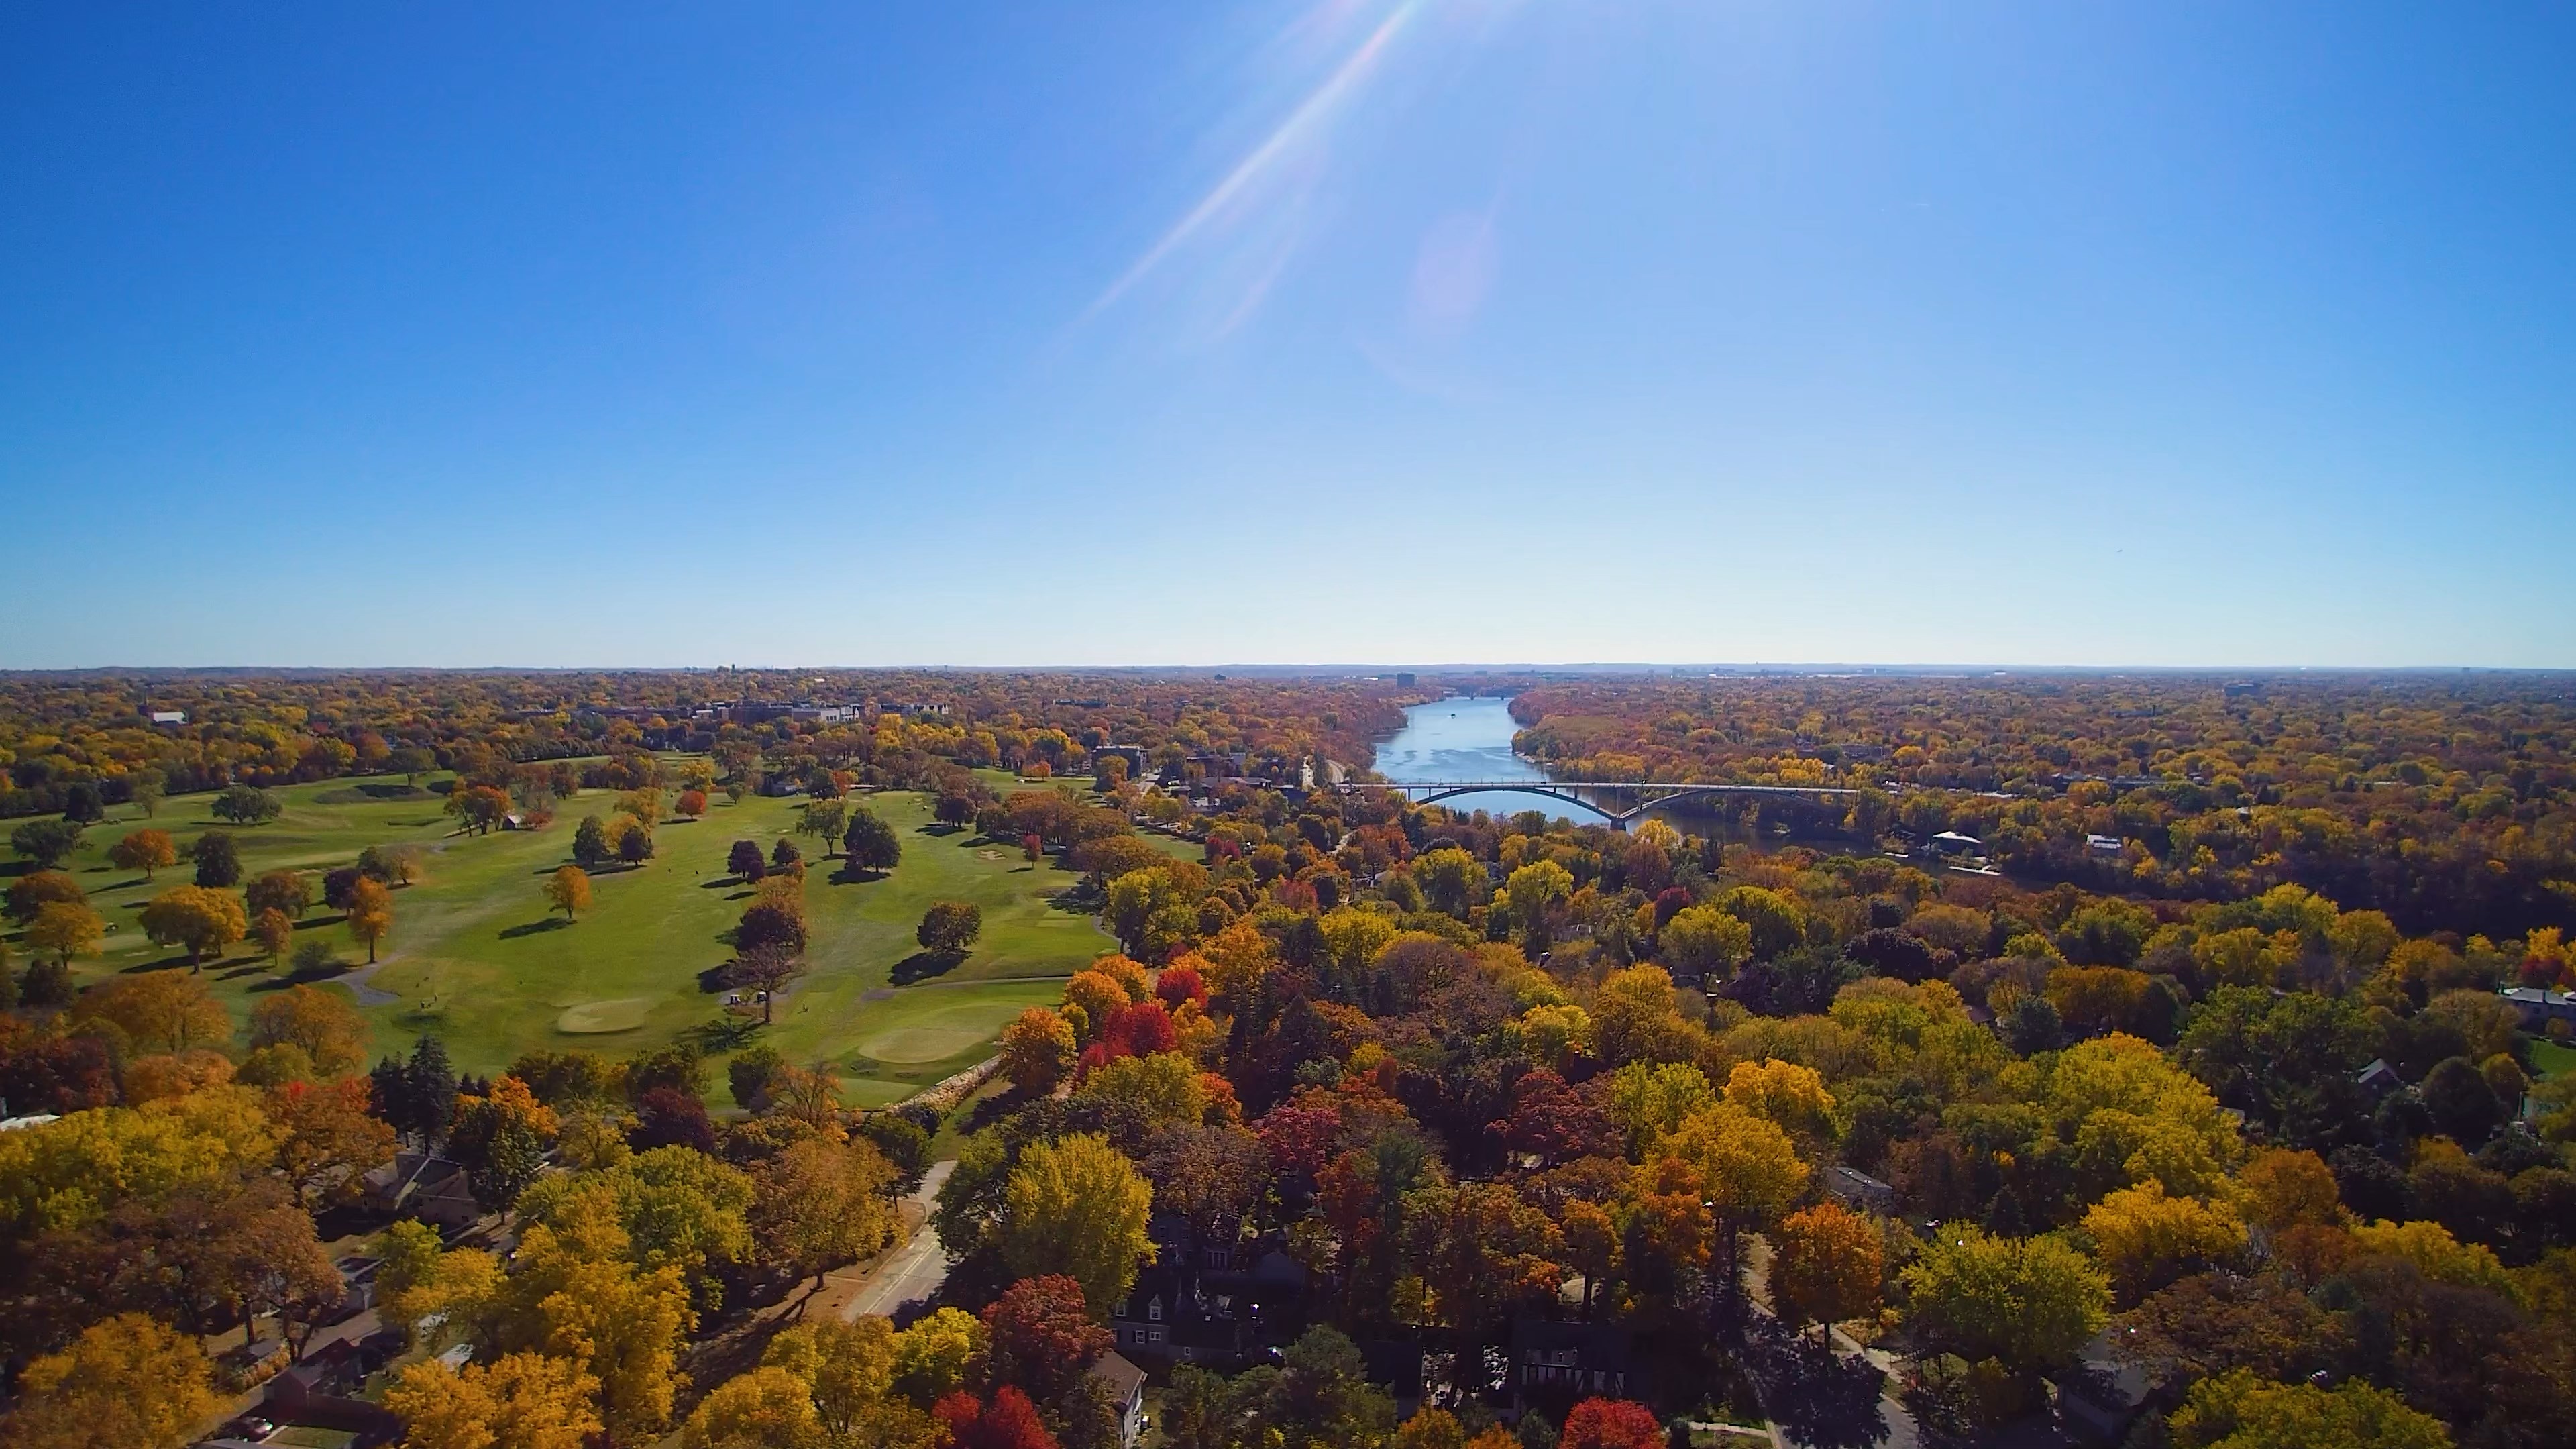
(912, 1271)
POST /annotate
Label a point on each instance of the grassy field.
(2551, 1058)
(475, 958)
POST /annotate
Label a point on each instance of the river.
(1468, 738)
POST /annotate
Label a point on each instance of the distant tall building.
(1404, 679)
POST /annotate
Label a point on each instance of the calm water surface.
(1467, 739)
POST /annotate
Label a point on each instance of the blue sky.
(1354, 331)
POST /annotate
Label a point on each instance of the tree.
(826, 820)
(1610, 1424)
(331, 1138)
(1748, 1169)
(820, 1204)
(2464, 1107)
(67, 929)
(1042, 1336)
(2028, 1302)
(126, 1383)
(1705, 942)
(518, 1401)
(82, 804)
(777, 922)
(1076, 1206)
(46, 843)
(411, 762)
(635, 846)
(274, 933)
(590, 842)
(568, 891)
(371, 915)
(768, 965)
(1825, 1266)
(246, 805)
(1010, 1421)
(746, 863)
(478, 808)
(323, 1023)
(32, 892)
(870, 844)
(690, 805)
(283, 891)
(195, 918)
(144, 850)
(2240, 1411)
(1037, 1050)
(948, 928)
(1482, 1251)
(2149, 1240)
(218, 860)
(767, 1408)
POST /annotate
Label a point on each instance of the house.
(2540, 1006)
(1951, 842)
(2378, 1079)
(33, 1119)
(418, 1185)
(1573, 1361)
(1127, 1390)
(2105, 1394)
(1212, 1297)
(1857, 1189)
(2102, 844)
(169, 716)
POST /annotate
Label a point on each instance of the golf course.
(477, 957)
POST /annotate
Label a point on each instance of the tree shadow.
(535, 928)
(718, 977)
(141, 968)
(1822, 1398)
(939, 827)
(724, 1033)
(924, 965)
(848, 875)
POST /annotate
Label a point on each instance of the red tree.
(1043, 1334)
(691, 804)
(1553, 1121)
(1009, 1422)
(1610, 1424)
(1178, 984)
(1299, 1136)
(1138, 1029)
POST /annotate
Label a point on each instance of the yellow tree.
(159, 1010)
(1826, 1265)
(2286, 1189)
(844, 1367)
(1789, 1096)
(767, 1408)
(820, 1204)
(274, 930)
(1077, 1206)
(371, 914)
(939, 1355)
(328, 1028)
(66, 928)
(1749, 1169)
(1706, 942)
(197, 918)
(125, 1383)
(2149, 1240)
(568, 891)
(144, 850)
(1037, 1050)
(519, 1401)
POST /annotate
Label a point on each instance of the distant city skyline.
(1162, 336)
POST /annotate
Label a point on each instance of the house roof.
(1123, 1376)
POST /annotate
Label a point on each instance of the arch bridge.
(1663, 792)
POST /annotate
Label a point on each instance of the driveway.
(912, 1271)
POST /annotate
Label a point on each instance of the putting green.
(597, 1018)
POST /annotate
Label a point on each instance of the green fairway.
(476, 958)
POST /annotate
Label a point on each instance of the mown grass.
(475, 957)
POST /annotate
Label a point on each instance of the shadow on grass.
(718, 977)
(847, 875)
(535, 928)
(923, 965)
(723, 1034)
(142, 968)
(939, 827)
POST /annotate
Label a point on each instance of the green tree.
(46, 843)
(869, 843)
(1705, 942)
(246, 805)
(2029, 1302)
(948, 928)
(2239, 1411)
(1077, 1206)
(218, 860)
